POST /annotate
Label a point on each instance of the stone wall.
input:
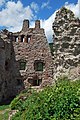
(8, 83)
(66, 45)
(25, 60)
(31, 47)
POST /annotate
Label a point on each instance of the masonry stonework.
(66, 45)
(32, 49)
(8, 84)
(25, 60)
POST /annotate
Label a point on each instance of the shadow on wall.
(12, 83)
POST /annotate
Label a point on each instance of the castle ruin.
(26, 60)
(66, 45)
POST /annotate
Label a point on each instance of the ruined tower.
(33, 56)
(66, 45)
(25, 60)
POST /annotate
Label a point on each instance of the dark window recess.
(22, 65)
(22, 38)
(16, 38)
(28, 38)
(38, 65)
(35, 82)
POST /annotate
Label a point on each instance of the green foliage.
(58, 102)
(17, 103)
(4, 112)
(3, 107)
(4, 115)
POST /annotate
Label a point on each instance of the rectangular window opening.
(22, 38)
(38, 65)
(36, 82)
(16, 39)
(28, 38)
(22, 65)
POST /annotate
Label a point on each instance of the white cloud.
(74, 7)
(13, 14)
(2, 2)
(46, 5)
(47, 25)
(35, 6)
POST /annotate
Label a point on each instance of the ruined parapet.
(66, 44)
(25, 25)
(37, 24)
(25, 35)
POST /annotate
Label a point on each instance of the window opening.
(22, 38)
(38, 65)
(36, 82)
(16, 39)
(28, 38)
(22, 65)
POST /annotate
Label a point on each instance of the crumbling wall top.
(25, 26)
(66, 53)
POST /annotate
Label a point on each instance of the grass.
(58, 102)
(3, 107)
(4, 112)
(4, 115)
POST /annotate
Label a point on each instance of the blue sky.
(13, 12)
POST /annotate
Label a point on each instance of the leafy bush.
(58, 102)
(17, 103)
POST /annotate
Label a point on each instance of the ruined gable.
(25, 60)
(66, 44)
(33, 53)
